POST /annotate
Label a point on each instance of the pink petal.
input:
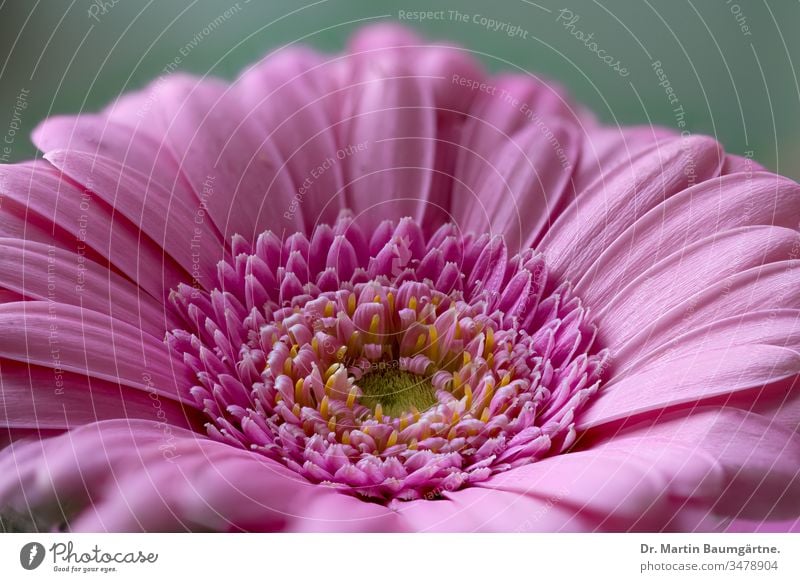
(506, 106)
(603, 212)
(426, 77)
(130, 145)
(759, 458)
(385, 35)
(37, 192)
(170, 221)
(763, 462)
(477, 509)
(90, 343)
(750, 526)
(390, 118)
(734, 164)
(289, 97)
(132, 476)
(233, 167)
(760, 288)
(605, 149)
(777, 327)
(31, 268)
(698, 212)
(657, 288)
(46, 398)
(521, 187)
(690, 378)
(612, 489)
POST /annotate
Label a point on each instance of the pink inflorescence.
(392, 367)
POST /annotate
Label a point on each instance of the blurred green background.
(731, 64)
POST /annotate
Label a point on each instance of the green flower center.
(396, 391)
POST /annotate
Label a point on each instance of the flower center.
(391, 368)
(395, 391)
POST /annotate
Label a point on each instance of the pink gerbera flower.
(385, 291)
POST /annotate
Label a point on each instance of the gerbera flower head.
(383, 290)
(390, 367)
